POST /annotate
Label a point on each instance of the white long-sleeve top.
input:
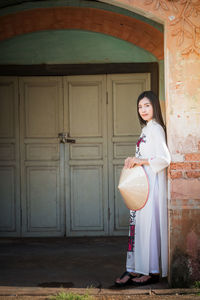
(152, 146)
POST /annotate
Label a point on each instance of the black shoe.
(152, 279)
(129, 280)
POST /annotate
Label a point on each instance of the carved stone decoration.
(185, 18)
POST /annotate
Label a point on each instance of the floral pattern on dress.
(142, 139)
(131, 238)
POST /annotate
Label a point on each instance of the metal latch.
(63, 136)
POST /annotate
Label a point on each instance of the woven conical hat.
(134, 187)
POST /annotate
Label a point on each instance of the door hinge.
(106, 97)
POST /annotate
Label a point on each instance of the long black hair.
(157, 115)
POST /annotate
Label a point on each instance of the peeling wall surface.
(181, 20)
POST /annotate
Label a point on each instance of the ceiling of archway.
(124, 27)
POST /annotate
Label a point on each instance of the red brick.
(106, 22)
(180, 166)
(193, 174)
(192, 157)
(195, 165)
(174, 174)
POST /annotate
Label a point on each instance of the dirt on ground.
(115, 297)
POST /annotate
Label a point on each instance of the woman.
(148, 232)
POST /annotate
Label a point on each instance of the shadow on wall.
(185, 269)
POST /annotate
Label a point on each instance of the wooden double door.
(50, 186)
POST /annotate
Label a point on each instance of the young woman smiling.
(147, 255)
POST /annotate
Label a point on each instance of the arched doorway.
(52, 191)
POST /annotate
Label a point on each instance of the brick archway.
(91, 19)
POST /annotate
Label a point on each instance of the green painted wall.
(70, 46)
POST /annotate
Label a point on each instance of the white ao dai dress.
(148, 232)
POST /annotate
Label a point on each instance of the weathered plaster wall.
(182, 89)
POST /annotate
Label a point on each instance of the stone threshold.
(38, 291)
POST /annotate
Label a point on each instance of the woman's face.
(145, 109)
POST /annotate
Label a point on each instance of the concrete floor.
(64, 262)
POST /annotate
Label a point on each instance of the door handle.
(63, 136)
(72, 141)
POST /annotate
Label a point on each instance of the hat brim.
(134, 187)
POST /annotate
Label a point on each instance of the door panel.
(66, 188)
(123, 132)
(85, 109)
(41, 109)
(9, 158)
(121, 214)
(86, 178)
(43, 198)
(86, 186)
(41, 168)
(125, 89)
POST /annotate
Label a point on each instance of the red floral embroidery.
(139, 141)
(131, 239)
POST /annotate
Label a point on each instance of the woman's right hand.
(128, 162)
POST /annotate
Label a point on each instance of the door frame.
(84, 69)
